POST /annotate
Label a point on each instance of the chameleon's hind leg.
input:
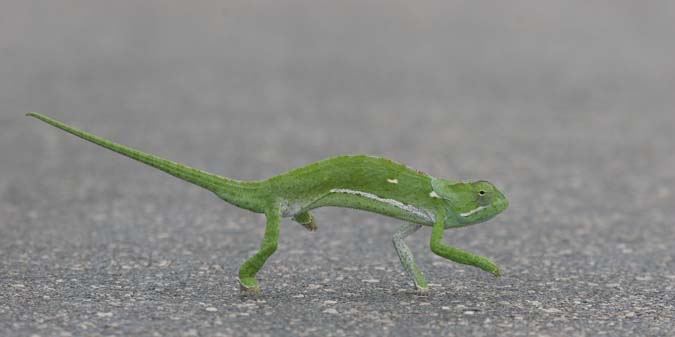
(406, 257)
(306, 219)
(250, 268)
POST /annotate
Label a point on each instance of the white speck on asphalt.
(331, 311)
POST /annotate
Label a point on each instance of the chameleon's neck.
(240, 193)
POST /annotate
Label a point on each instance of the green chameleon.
(362, 182)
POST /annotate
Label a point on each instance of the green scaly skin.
(362, 182)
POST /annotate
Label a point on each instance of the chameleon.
(363, 182)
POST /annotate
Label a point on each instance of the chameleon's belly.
(372, 203)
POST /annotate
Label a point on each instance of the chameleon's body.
(363, 182)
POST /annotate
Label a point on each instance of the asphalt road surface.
(567, 107)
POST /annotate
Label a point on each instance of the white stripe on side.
(392, 202)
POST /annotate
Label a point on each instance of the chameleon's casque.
(362, 182)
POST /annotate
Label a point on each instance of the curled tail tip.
(32, 114)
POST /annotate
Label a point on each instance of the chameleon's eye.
(482, 198)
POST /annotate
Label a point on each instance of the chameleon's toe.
(306, 219)
(422, 291)
(249, 285)
(489, 267)
(311, 226)
(492, 269)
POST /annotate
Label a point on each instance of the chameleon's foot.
(306, 219)
(249, 285)
(311, 226)
(421, 291)
(485, 264)
(491, 268)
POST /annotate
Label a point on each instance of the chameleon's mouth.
(501, 204)
(492, 210)
(473, 211)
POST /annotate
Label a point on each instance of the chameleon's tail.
(198, 177)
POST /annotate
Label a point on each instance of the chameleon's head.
(469, 203)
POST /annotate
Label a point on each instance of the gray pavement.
(568, 108)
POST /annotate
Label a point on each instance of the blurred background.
(568, 107)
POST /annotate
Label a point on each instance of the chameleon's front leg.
(456, 254)
(406, 257)
(250, 268)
